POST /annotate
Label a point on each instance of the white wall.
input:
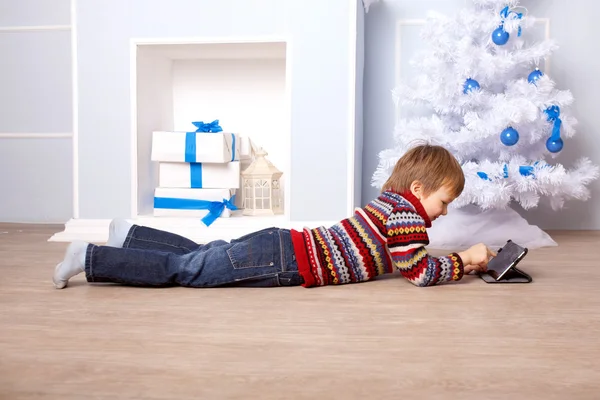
(359, 103)
(247, 96)
(572, 67)
(319, 34)
(35, 111)
(154, 104)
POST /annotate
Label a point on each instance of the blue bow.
(553, 115)
(215, 208)
(208, 127)
(505, 13)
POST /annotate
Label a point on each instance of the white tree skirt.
(469, 225)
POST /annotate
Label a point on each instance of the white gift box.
(192, 147)
(199, 175)
(194, 203)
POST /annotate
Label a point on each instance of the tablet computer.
(508, 257)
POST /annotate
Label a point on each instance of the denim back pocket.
(255, 250)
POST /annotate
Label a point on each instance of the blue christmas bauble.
(509, 136)
(534, 76)
(500, 36)
(554, 146)
(470, 85)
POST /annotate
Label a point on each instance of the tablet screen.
(497, 265)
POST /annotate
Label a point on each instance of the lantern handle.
(255, 149)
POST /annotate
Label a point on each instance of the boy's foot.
(73, 264)
(117, 232)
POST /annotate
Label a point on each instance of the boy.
(389, 232)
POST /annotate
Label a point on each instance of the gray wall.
(35, 103)
(573, 67)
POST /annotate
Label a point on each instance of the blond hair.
(433, 166)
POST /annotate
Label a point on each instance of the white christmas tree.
(501, 116)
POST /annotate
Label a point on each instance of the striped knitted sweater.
(389, 232)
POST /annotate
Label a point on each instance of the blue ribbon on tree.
(215, 208)
(208, 127)
(483, 176)
(524, 170)
(553, 115)
(506, 12)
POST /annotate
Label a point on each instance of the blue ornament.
(509, 136)
(470, 85)
(500, 36)
(534, 76)
(554, 146)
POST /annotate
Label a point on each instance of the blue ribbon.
(190, 147)
(232, 147)
(208, 127)
(484, 176)
(505, 13)
(524, 170)
(553, 115)
(196, 175)
(215, 208)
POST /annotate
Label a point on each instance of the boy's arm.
(407, 238)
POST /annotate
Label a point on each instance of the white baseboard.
(96, 230)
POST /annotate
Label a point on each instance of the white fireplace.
(241, 84)
(294, 91)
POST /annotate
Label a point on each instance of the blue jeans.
(151, 257)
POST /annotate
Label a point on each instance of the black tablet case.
(513, 275)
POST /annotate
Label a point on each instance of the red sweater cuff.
(302, 258)
(458, 268)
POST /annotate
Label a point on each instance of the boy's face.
(436, 203)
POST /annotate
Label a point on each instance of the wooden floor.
(379, 340)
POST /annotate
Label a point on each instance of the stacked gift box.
(199, 172)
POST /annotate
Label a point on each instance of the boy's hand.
(477, 268)
(476, 258)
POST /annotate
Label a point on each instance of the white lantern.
(261, 189)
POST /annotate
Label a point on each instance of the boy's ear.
(416, 188)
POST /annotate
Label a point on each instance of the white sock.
(117, 232)
(73, 264)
